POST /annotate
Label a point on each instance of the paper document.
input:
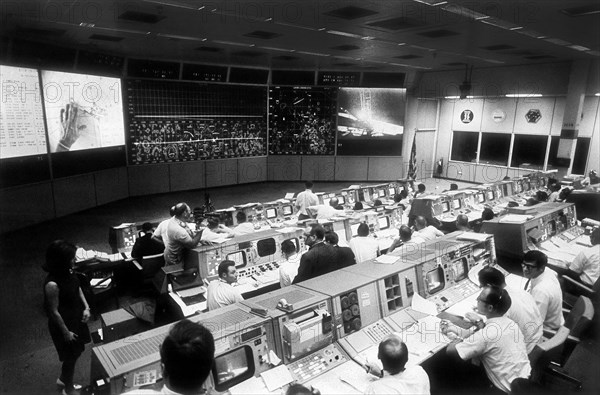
(514, 218)
(387, 259)
(472, 236)
(423, 305)
(289, 195)
(252, 386)
(359, 380)
(277, 377)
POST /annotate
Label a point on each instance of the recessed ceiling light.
(516, 28)
(597, 94)
(523, 95)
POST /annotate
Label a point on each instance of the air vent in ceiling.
(537, 57)
(285, 57)
(583, 10)
(498, 47)
(103, 37)
(263, 35)
(142, 17)
(40, 32)
(409, 56)
(346, 47)
(248, 54)
(438, 33)
(209, 49)
(399, 23)
(350, 12)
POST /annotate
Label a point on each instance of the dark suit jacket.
(345, 257)
(320, 259)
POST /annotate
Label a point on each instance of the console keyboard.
(258, 269)
(317, 363)
(377, 332)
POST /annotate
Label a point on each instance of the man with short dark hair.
(146, 245)
(523, 309)
(424, 231)
(215, 231)
(319, 259)
(363, 246)
(498, 345)
(396, 377)
(586, 265)
(344, 255)
(289, 268)
(306, 199)
(220, 292)
(243, 227)
(187, 356)
(545, 288)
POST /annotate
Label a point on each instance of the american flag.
(412, 163)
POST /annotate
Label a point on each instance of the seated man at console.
(215, 231)
(545, 288)
(426, 232)
(462, 223)
(186, 357)
(586, 265)
(178, 235)
(289, 268)
(396, 377)
(146, 245)
(323, 211)
(243, 227)
(406, 239)
(344, 255)
(319, 259)
(498, 344)
(363, 246)
(221, 293)
(523, 309)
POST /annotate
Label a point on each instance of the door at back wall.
(425, 165)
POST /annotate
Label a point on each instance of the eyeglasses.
(529, 266)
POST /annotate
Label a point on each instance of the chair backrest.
(580, 317)
(151, 264)
(546, 351)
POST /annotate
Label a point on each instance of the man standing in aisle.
(319, 259)
(178, 235)
(304, 200)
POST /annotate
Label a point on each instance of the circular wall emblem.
(466, 116)
(498, 115)
(533, 116)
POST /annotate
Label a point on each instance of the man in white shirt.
(220, 292)
(498, 345)
(545, 288)
(586, 265)
(289, 268)
(396, 377)
(304, 200)
(243, 227)
(426, 232)
(523, 309)
(406, 239)
(178, 236)
(363, 246)
(327, 211)
(215, 231)
(161, 228)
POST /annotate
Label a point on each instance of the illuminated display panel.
(384, 222)
(445, 207)
(480, 197)
(455, 204)
(233, 367)
(271, 213)
(239, 257)
(287, 210)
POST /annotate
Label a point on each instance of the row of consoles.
(319, 328)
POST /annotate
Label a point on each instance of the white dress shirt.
(525, 313)
(220, 294)
(288, 270)
(364, 248)
(587, 264)
(412, 380)
(547, 294)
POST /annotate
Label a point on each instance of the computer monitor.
(445, 206)
(366, 195)
(480, 197)
(490, 195)
(507, 189)
(375, 194)
(455, 204)
(326, 201)
(459, 269)
(266, 247)
(341, 199)
(271, 213)
(239, 257)
(233, 367)
(354, 229)
(296, 243)
(434, 280)
(391, 192)
(287, 210)
(384, 222)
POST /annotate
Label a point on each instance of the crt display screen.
(459, 268)
(384, 223)
(239, 257)
(266, 247)
(326, 201)
(296, 243)
(354, 229)
(445, 207)
(271, 213)
(366, 195)
(341, 200)
(233, 367)
(391, 192)
(480, 197)
(490, 195)
(287, 210)
(434, 280)
(456, 204)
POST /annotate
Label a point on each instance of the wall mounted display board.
(183, 121)
(370, 121)
(302, 120)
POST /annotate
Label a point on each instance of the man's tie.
(527, 284)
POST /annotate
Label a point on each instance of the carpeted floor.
(28, 361)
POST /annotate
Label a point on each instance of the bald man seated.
(326, 211)
(462, 223)
(396, 377)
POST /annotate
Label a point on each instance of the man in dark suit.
(320, 259)
(345, 256)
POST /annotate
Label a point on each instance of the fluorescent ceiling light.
(458, 97)
(278, 49)
(432, 3)
(523, 95)
(597, 94)
(233, 43)
(578, 48)
(465, 12)
(312, 53)
(557, 41)
(180, 37)
(344, 34)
